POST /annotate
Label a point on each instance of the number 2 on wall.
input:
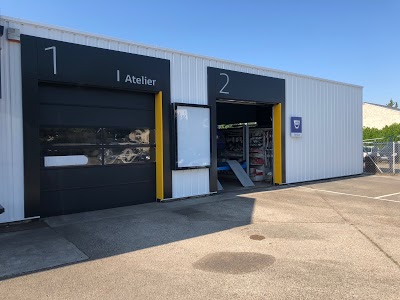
(54, 58)
(226, 83)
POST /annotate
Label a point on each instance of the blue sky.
(355, 41)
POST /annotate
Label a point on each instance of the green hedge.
(391, 132)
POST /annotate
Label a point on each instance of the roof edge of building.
(383, 106)
(74, 31)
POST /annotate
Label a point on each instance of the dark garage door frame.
(244, 87)
(53, 63)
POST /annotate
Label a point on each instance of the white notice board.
(193, 136)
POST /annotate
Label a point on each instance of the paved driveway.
(328, 240)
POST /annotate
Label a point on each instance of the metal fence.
(382, 157)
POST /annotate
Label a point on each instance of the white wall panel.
(331, 111)
(11, 138)
(188, 85)
(332, 130)
(187, 183)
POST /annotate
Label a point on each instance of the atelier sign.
(140, 80)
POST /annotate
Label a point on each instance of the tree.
(391, 132)
(392, 104)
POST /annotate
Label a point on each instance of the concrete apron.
(35, 249)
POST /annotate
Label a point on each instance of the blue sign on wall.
(296, 126)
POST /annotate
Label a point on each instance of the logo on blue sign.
(295, 126)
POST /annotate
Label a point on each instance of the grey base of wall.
(183, 198)
(22, 225)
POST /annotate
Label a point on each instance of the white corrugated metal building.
(331, 112)
(379, 116)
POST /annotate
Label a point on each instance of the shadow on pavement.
(169, 222)
(99, 234)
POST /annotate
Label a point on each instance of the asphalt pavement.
(336, 239)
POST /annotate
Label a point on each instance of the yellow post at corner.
(159, 148)
(277, 141)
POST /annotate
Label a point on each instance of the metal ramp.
(220, 188)
(240, 173)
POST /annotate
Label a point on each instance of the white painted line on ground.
(353, 195)
(388, 195)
